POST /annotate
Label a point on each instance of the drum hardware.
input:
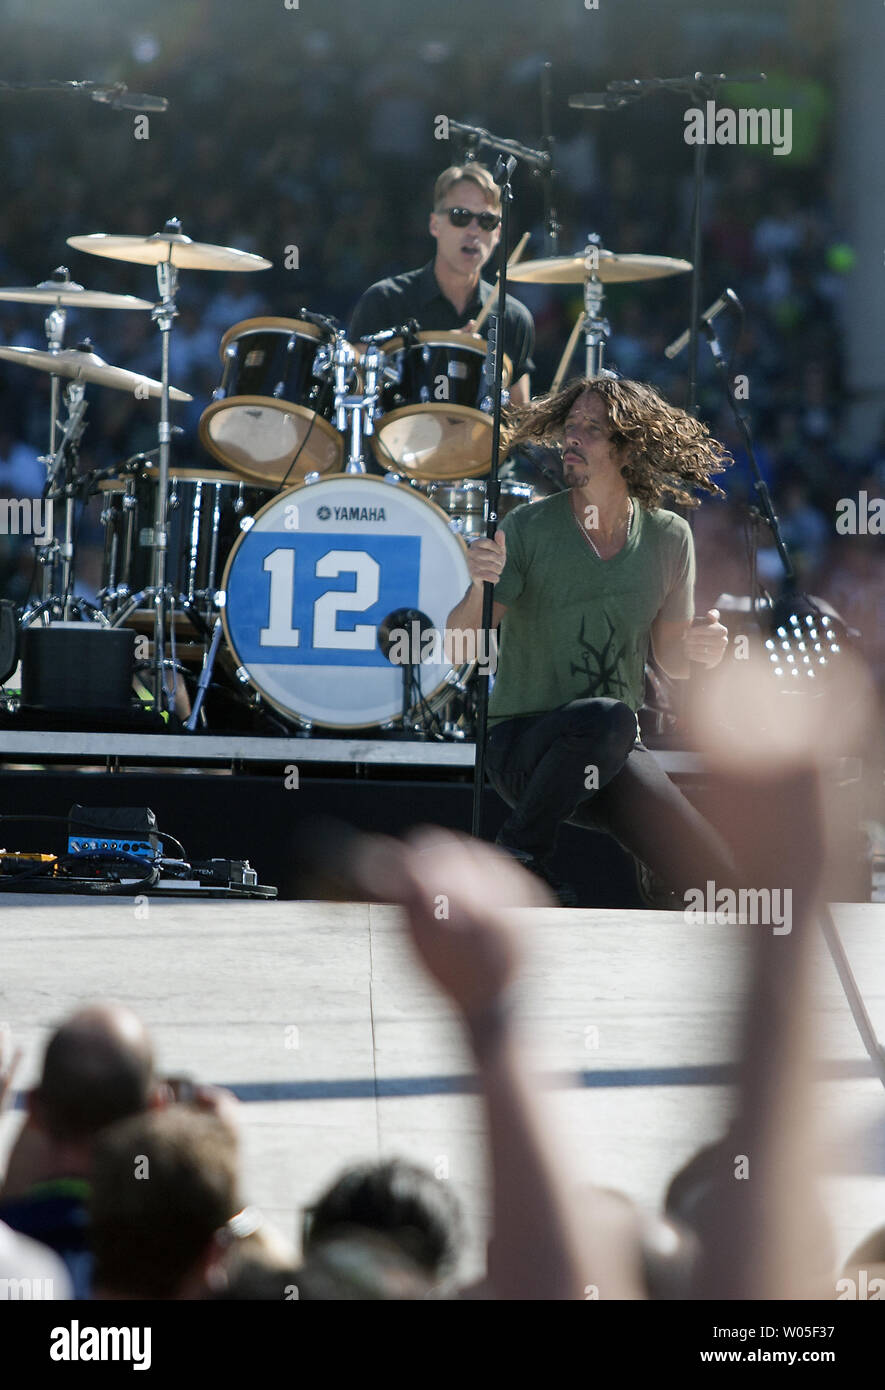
(205, 676)
(414, 626)
(368, 368)
(79, 365)
(61, 293)
(58, 553)
(594, 269)
(699, 88)
(168, 251)
(349, 408)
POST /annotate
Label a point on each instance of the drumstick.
(493, 298)
(567, 355)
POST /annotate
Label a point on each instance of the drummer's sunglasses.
(462, 217)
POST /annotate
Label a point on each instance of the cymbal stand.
(48, 548)
(163, 602)
(596, 327)
(63, 482)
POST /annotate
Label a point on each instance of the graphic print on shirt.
(600, 664)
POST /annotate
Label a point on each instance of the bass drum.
(308, 587)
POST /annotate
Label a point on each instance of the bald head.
(98, 1068)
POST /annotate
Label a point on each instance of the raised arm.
(457, 894)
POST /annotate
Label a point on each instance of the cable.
(147, 880)
(298, 452)
(59, 881)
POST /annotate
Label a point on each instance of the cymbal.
(164, 246)
(59, 289)
(83, 365)
(609, 267)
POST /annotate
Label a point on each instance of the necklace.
(586, 534)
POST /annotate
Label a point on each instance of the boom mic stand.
(760, 487)
(700, 87)
(548, 174)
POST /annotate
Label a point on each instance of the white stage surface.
(317, 1017)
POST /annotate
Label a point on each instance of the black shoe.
(563, 892)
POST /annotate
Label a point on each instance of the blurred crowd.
(321, 136)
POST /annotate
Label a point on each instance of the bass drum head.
(309, 585)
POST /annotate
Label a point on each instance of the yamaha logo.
(352, 513)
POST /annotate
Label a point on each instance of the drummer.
(448, 293)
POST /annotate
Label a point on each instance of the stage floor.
(316, 1016)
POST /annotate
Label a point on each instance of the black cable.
(66, 861)
(147, 880)
(298, 452)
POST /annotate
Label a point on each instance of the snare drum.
(465, 502)
(269, 418)
(308, 587)
(436, 419)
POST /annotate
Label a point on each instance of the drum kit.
(350, 480)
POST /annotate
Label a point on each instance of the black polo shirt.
(417, 295)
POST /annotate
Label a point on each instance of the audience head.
(397, 1200)
(98, 1068)
(165, 1185)
(362, 1265)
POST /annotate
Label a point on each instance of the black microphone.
(121, 99)
(406, 330)
(408, 624)
(320, 320)
(715, 309)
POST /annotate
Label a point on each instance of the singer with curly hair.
(587, 583)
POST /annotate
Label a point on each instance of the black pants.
(583, 764)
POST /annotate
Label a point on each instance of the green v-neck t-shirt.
(577, 626)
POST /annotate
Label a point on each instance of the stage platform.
(339, 1047)
(258, 798)
(118, 750)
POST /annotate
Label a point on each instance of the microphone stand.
(760, 487)
(700, 87)
(504, 170)
(548, 174)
